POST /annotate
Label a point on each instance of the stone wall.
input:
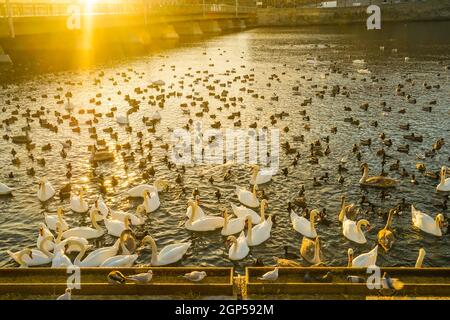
(415, 11)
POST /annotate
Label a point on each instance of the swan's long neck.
(250, 231)
(343, 213)
(350, 260)
(312, 216)
(342, 203)
(254, 174)
(235, 244)
(42, 187)
(365, 174)
(443, 172)
(193, 212)
(360, 223)
(420, 258)
(317, 250)
(60, 233)
(254, 190)
(94, 221)
(225, 219)
(389, 220)
(43, 248)
(262, 211)
(82, 250)
(154, 250)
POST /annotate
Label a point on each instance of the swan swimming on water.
(52, 220)
(259, 233)
(426, 223)
(232, 225)
(259, 177)
(78, 204)
(5, 190)
(86, 232)
(364, 260)
(45, 191)
(239, 248)
(243, 212)
(205, 223)
(444, 184)
(169, 254)
(248, 198)
(303, 225)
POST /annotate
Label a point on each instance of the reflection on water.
(314, 59)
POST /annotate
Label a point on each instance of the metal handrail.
(58, 9)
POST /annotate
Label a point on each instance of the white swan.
(97, 257)
(426, 223)
(43, 233)
(5, 190)
(205, 223)
(258, 177)
(138, 191)
(64, 244)
(86, 232)
(243, 212)
(151, 201)
(310, 250)
(45, 191)
(78, 204)
(116, 227)
(304, 226)
(194, 205)
(169, 254)
(123, 119)
(420, 258)
(137, 219)
(364, 260)
(259, 233)
(60, 260)
(444, 184)
(156, 115)
(101, 206)
(239, 248)
(359, 61)
(53, 219)
(231, 226)
(352, 229)
(34, 257)
(248, 198)
(120, 261)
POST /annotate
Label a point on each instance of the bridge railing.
(62, 9)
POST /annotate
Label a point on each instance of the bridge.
(26, 26)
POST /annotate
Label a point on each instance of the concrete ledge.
(210, 26)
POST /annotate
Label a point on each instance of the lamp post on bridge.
(237, 6)
(10, 19)
(203, 7)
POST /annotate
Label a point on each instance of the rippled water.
(262, 52)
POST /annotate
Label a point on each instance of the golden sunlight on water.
(264, 72)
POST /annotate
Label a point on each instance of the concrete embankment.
(431, 10)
